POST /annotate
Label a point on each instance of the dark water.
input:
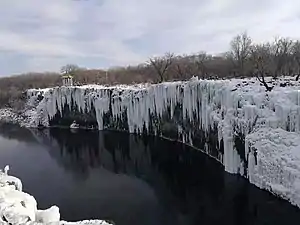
(131, 180)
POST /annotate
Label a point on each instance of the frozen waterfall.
(220, 114)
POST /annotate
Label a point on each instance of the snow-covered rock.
(19, 208)
(49, 215)
(9, 116)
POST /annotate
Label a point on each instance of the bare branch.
(261, 58)
(200, 60)
(162, 64)
(282, 50)
(296, 57)
(240, 50)
(185, 67)
(69, 69)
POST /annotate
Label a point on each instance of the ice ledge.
(274, 162)
(18, 208)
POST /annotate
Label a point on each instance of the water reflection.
(135, 180)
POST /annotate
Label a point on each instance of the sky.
(44, 35)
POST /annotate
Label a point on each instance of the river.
(133, 180)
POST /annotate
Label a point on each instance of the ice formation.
(274, 162)
(17, 207)
(231, 109)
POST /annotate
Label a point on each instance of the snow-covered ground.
(17, 207)
(235, 109)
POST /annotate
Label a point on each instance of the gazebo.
(67, 80)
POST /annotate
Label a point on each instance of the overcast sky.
(43, 35)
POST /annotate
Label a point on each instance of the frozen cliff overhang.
(216, 116)
(17, 207)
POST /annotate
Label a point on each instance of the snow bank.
(17, 207)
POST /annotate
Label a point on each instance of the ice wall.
(19, 208)
(231, 108)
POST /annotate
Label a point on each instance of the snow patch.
(17, 207)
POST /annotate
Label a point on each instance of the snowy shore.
(231, 120)
(19, 208)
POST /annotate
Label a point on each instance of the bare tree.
(261, 58)
(282, 50)
(185, 67)
(185, 70)
(162, 64)
(240, 50)
(200, 59)
(69, 69)
(296, 57)
(180, 69)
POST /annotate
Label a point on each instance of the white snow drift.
(19, 208)
(235, 107)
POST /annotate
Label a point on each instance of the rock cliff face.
(220, 117)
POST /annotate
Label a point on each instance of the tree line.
(280, 57)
